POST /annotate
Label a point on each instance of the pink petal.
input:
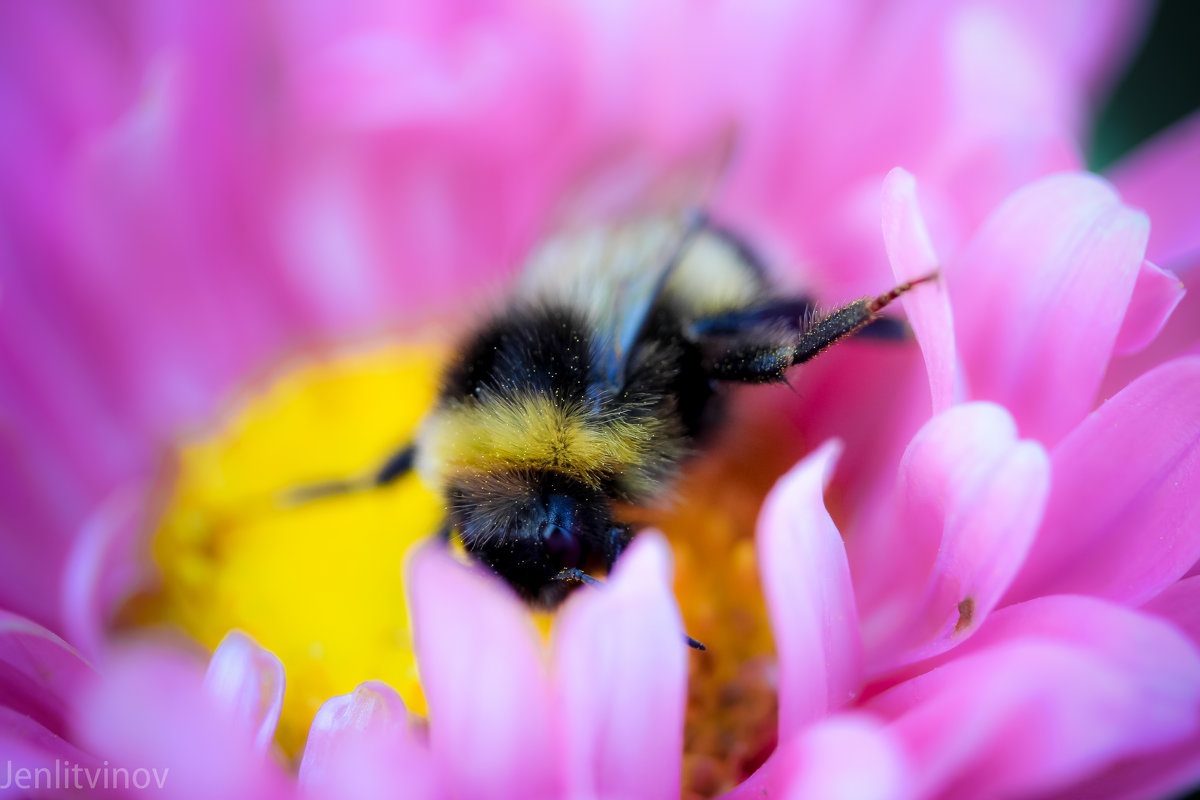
(1173, 771)
(1169, 772)
(928, 307)
(1179, 336)
(149, 709)
(247, 681)
(1132, 639)
(622, 669)
(999, 79)
(1089, 39)
(994, 505)
(59, 455)
(485, 681)
(360, 746)
(1180, 603)
(843, 757)
(103, 566)
(1163, 179)
(1137, 690)
(806, 581)
(972, 173)
(24, 744)
(851, 758)
(1039, 295)
(1155, 296)
(39, 672)
(1053, 710)
(1123, 521)
(972, 496)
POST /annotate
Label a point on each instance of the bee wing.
(613, 275)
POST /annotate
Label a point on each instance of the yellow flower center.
(321, 583)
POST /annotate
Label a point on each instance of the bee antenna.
(575, 574)
(398, 464)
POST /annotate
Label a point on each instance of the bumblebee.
(605, 373)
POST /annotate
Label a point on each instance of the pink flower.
(243, 181)
(994, 588)
(1005, 605)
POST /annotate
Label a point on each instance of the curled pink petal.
(971, 499)
(994, 507)
(806, 581)
(149, 709)
(248, 682)
(1155, 296)
(842, 757)
(483, 671)
(622, 671)
(1163, 179)
(39, 672)
(1180, 336)
(360, 746)
(1122, 521)
(102, 566)
(928, 306)
(1039, 294)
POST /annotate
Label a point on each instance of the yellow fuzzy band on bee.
(536, 432)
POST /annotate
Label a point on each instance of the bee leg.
(859, 315)
(397, 466)
(578, 575)
(764, 354)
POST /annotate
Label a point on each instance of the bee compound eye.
(562, 545)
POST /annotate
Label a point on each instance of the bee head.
(530, 526)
